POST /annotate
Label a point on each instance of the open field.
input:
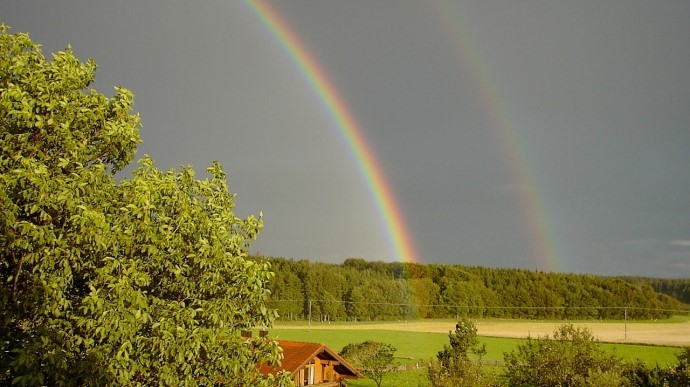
(417, 348)
(417, 342)
(673, 332)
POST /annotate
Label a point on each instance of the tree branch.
(16, 276)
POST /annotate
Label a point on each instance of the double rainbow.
(530, 200)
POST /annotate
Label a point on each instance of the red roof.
(297, 354)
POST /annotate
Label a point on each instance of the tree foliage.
(363, 291)
(574, 358)
(372, 358)
(454, 367)
(462, 342)
(679, 375)
(142, 281)
(678, 288)
(571, 358)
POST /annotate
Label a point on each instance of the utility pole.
(626, 323)
(309, 312)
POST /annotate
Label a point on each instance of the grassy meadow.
(420, 347)
(416, 347)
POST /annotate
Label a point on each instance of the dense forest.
(360, 290)
(678, 288)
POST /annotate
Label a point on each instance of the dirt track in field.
(657, 333)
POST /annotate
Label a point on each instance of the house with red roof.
(313, 364)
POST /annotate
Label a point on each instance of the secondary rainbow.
(532, 204)
(348, 128)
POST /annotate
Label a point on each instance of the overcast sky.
(550, 135)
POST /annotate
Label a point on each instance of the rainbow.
(532, 204)
(348, 128)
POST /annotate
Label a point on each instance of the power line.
(523, 307)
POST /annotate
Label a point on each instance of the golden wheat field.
(675, 333)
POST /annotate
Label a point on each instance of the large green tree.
(142, 281)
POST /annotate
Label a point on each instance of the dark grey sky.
(595, 94)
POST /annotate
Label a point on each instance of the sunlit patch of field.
(675, 332)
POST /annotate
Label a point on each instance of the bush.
(679, 375)
(572, 358)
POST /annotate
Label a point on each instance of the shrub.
(571, 358)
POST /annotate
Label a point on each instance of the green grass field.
(418, 348)
(415, 347)
(410, 378)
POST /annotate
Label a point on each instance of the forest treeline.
(360, 290)
(678, 288)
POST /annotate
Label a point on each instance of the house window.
(307, 375)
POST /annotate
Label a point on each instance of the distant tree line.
(678, 288)
(360, 290)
